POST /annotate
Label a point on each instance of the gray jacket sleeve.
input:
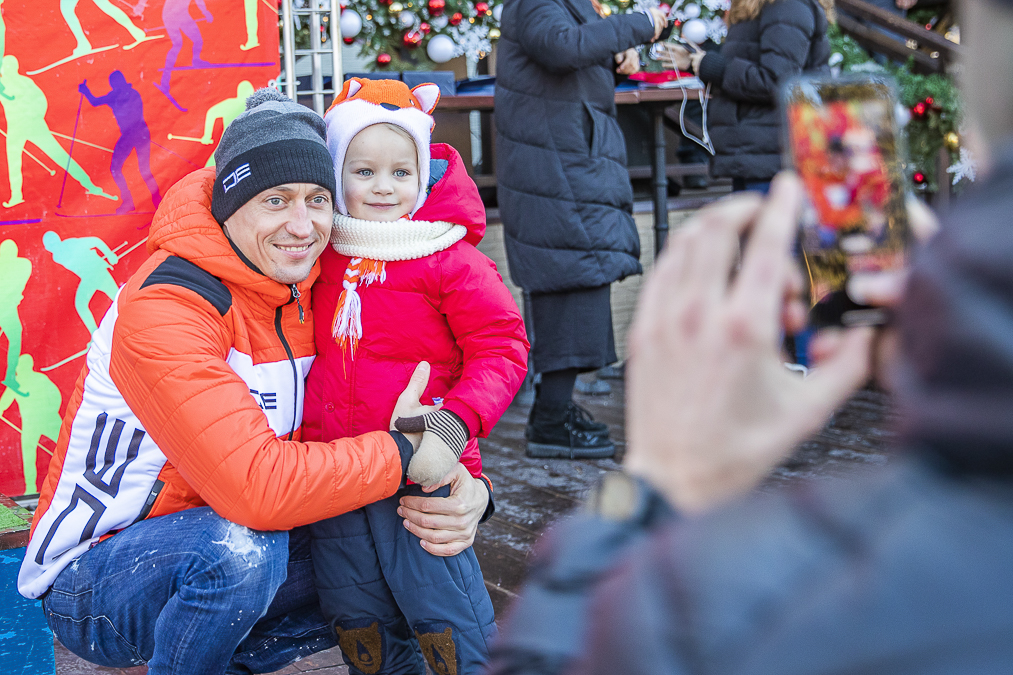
(551, 38)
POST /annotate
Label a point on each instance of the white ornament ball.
(351, 23)
(691, 11)
(441, 48)
(408, 19)
(694, 31)
(497, 12)
(439, 22)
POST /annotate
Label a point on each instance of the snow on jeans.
(191, 593)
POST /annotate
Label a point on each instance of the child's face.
(380, 177)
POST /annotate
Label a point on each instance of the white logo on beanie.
(233, 179)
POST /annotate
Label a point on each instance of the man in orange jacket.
(182, 438)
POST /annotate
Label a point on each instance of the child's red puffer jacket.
(450, 308)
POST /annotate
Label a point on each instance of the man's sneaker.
(567, 436)
(582, 420)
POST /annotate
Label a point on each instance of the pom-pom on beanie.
(273, 142)
(363, 103)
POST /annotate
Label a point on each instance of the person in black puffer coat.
(768, 43)
(565, 197)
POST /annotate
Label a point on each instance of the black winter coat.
(789, 37)
(564, 191)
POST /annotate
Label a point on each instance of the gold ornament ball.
(395, 8)
(952, 141)
(606, 10)
(494, 33)
(624, 3)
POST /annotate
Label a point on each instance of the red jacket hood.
(454, 198)
(184, 226)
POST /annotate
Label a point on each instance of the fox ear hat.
(363, 103)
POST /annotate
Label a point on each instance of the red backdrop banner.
(106, 104)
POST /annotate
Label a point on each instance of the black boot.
(566, 431)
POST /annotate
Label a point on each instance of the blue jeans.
(191, 593)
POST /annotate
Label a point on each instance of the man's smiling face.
(284, 229)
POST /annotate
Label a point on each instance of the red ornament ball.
(919, 108)
(918, 178)
(456, 18)
(929, 100)
(412, 39)
(676, 23)
(436, 7)
(383, 59)
(425, 28)
(482, 7)
(348, 40)
(665, 8)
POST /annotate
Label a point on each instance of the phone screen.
(843, 143)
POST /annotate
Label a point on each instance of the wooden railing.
(932, 52)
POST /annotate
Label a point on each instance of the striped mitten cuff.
(446, 425)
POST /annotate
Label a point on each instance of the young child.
(404, 283)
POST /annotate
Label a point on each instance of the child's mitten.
(443, 439)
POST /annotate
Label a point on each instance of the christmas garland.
(419, 34)
(932, 104)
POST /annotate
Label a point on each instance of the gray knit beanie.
(275, 141)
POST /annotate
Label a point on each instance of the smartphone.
(843, 141)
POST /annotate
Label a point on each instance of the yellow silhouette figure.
(25, 106)
(252, 25)
(39, 406)
(14, 274)
(226, 111)
(90, 258)
(69, 10)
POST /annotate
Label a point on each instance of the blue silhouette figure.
(128, 109)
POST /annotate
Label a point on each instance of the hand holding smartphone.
(843, 143)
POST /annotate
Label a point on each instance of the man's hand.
(710, 406)
(628, 62)
(447, 525)
(408, 402)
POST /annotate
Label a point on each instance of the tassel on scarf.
(346, 328)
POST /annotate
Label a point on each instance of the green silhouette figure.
(252, 25)
(3, 45)
(69, 10)
(14, 274)
(226, 110)
(40, 414)
(90, 258)
(25, 106)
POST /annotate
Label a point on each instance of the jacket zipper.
(288, 351)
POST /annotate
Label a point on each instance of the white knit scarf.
(371, 244)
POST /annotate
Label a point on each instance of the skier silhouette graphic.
(39, 407)
(89, 258)
(25, 106)
(14, 275)
(128, 109)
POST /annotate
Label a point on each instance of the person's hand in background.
(660, 20)
(628, 62)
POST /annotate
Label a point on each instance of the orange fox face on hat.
(363, 103)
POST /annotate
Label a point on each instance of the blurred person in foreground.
(565, 196)
(675, 568)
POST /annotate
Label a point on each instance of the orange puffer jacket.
(192, 395)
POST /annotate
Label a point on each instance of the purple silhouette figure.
(128, 109)
(178, 22)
